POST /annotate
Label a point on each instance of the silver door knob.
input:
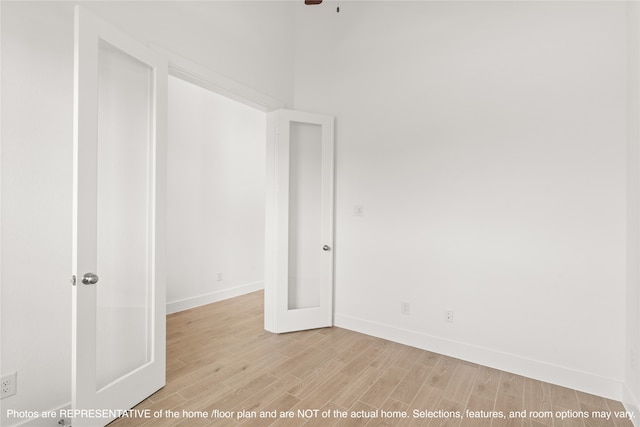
(90, 279)
(326, 248)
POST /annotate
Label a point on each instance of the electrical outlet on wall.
(405, 308)
(448, 316)
(8, 385)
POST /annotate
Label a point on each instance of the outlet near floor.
(8, 385)
(405, 308)
(448, 316)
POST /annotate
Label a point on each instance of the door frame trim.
(197, 74)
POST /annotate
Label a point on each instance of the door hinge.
(73, 280)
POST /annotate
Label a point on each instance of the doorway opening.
(215, 196)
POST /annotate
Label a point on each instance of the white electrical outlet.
(405, 308)
(219, 277)
(448, 316)
(358, 210)
(8, 385)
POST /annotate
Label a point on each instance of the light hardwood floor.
(220, 358)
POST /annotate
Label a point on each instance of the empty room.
(321, 213)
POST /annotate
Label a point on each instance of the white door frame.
(199, 75)
(188, 70)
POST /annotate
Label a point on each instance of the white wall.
(632, 364)
(486, 142)
(37, 114)
(215, 199)
(37, 104)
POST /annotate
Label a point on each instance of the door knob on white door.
(90, 279)
(326, 248)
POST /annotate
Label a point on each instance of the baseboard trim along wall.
(565, 377)
(631, 404)
(583, 381)
(187, 303)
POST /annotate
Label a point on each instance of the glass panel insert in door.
(124, 246)
(305, 239)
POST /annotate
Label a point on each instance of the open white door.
(118, 351)
(299, 221)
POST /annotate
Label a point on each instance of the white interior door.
(119, 303)
(299, 221)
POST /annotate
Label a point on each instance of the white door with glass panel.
(299, 221)
(118, 244)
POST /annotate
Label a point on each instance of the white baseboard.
(187, 303)
(583, 381)
(631, 404)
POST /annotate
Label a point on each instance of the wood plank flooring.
(220, 361)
